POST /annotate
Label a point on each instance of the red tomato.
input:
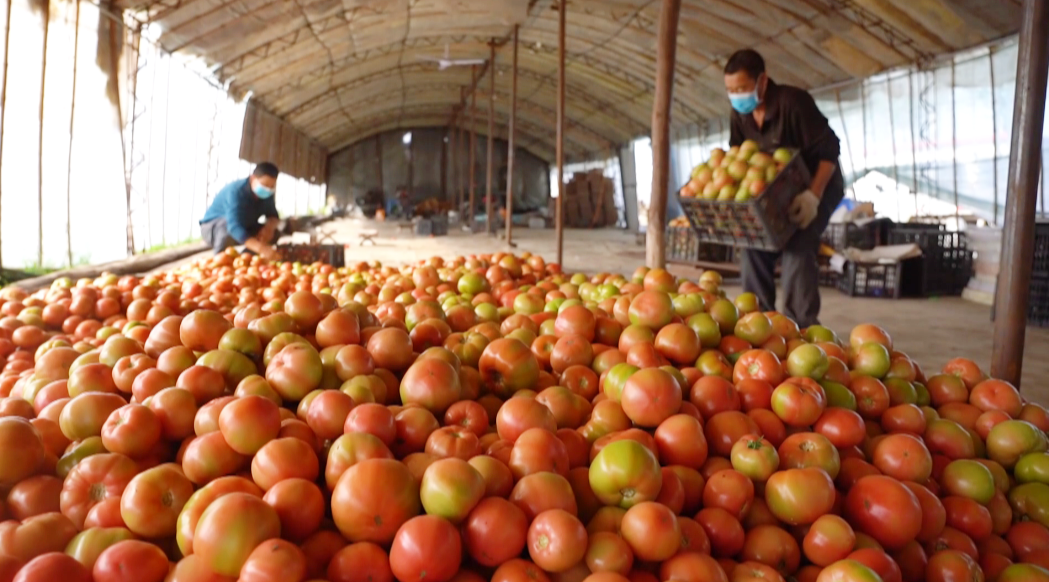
(652, 531)
(800, 496)
(885, 509)
(426, 548)
(131, 561)
(799, 402)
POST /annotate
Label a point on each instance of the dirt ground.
(931, 331)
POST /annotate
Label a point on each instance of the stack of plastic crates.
(307, 254)
(683, 246)
(946, 264)
(1038, 305)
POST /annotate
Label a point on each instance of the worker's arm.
(818, 141)
(240, 228)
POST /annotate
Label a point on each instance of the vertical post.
(559, 214)
(473, 146)
(510, 148)
(895, 163)
(69, 157)
(994, 128)
(1014, 279)
(954, 148)
(914, 151)
(411, 168)
(378, 163)
(40, 152)
(655, 243)
(459, 158)
(489, 195)
(3, 96)
(444, 162)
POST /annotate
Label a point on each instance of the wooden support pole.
(40, 152)
(510, 149)
(1014, 279)
(489, 195)
(655, 238)
(378, 162)
(559, 213)
(473, 149)
(72, 117)
(3, 96)
(447, 160)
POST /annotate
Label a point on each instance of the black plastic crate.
(334, 255)
(1038, 304)
(872, 280)
(683, 246)
(842, 235)
(1040, 266)
(761, 223)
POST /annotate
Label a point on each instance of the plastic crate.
(1040, 266)
(683, 246)
(1038, 304)
(842, 235)
(872, 280)
(946, 264)
(762, 223)
(334, 255)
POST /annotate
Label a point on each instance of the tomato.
(508, 365)
(799, 402)
(758, 365)
(360, 561)
(651, 396)
(843, 428)
(38, 535)
(373, 498)
(652, 531)
(830, 539)
(872, 397)
(426, 548)
(153, 499)
(692, 567)
(754, 457)
(175, 408)
(968, 517)
(518, 570)
(296, 370)
(934, 516)
(1010, 440)
(946, 437)
(451, 488)
(723, 430)
(230, 528)
(848, 571)
(519, 414)
(772, 546)
(53, 566)
(92, 481)
(680, 441)
(1030, 501)
(724, 530)
(1024, 573)
(540, 492)
(608, 552)
(800, 496)
(494, 531)
(625, 473)
(968, 478)
(284, 458)
(299, 504)
(89, 544)
(903, 457)
(950, 565)
(885, 509)
(809, 449)
(713, 394)
(729, 490)
(131, 561)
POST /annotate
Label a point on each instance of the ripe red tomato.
(131, 561)
(426, 548)
(652, 531)
(885, 509)
(800, 496)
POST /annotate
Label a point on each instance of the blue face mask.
(745, 103)
(263, 192)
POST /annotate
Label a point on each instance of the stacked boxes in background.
(589, 201)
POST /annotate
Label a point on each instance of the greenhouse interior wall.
(110, 145)
(413, 159)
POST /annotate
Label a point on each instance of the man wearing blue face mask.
(778, 116)
(233, 217)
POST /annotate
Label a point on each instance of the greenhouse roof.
(343, 70)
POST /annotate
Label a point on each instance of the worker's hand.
(803, 208)
(269, 253)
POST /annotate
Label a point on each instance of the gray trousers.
(216, 235)
(801, 291)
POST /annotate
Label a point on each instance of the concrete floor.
(931, 331)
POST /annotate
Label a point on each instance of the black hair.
(266, 169)
(748, 60)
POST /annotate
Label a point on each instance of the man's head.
(264, 180)
(745, 80)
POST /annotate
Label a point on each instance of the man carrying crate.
(780, 116)
(233, 217)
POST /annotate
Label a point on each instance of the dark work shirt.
(241, 208)
(792, 120)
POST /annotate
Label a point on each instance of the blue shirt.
(241, 208)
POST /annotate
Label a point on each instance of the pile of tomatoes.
(491, 418)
